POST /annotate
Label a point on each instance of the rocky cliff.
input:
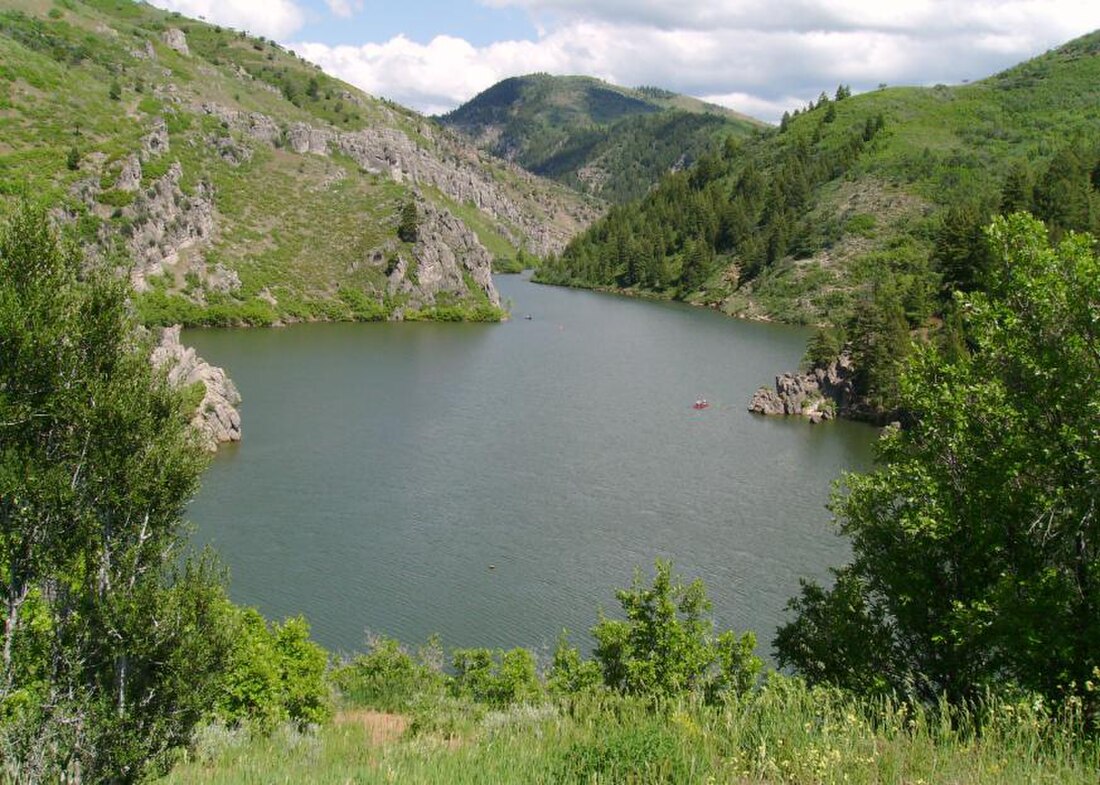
(239, 184)
(819, 394)
(436, 159)
(447, 260)
(217, 418)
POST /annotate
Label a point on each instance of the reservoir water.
(494, 483)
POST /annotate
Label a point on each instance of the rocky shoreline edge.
(819, 394)
(217, 417)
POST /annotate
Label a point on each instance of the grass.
(301, 232)
(784, 732)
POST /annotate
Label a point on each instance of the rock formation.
(165, 221)
(175, 39)
(444, 165)
(446, 252)
(216, 419)
(819, 394)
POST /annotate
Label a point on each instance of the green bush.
(388, 677)
(666, 646)
(569, 674)
(275, 673)
(116, 198)
(497, 678)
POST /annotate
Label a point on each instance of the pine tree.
(408, 228)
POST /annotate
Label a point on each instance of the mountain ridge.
(599, 138)
(793, 224)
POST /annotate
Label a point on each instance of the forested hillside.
(598, 138)
(862, 213)
(235, 182)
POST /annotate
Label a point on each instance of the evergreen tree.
(1016, 195)
(880, 343)
(409, 223)
(961, 250)
(1062, 193)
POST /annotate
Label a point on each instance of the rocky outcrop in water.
(819, 394)
(217, 418)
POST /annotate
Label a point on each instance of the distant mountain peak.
(599, 138)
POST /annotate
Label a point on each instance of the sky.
(760, 58)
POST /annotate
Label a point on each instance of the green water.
(496, 483)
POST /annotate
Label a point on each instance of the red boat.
(700, 404)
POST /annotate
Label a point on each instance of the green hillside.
(862, 213)
(239, 183)
(599, 138)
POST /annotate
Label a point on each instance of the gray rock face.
(303, 138)
(165, 222)
(156, 142)
(820, 394)
(129, 179)
(443, 164)
(145, 52)
(175, 39)
(263, 128)
(217, 418)
(446, 251)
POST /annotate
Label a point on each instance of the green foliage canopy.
(666, 646)
(977, 541)
(107, 646)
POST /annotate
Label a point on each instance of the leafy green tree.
(976, 543)
(497, 678)
(666, 645)
(110, 652)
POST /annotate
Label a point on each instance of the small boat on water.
(702, 403)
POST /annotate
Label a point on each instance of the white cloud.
(276, 19)
(436, 76)
(913, 17)
(344, 9)
(760, 59)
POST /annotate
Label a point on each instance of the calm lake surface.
(496, 483)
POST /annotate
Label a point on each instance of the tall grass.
(783, 732)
